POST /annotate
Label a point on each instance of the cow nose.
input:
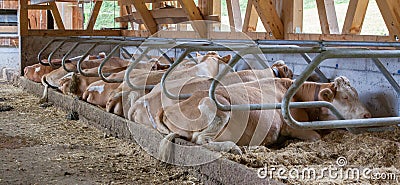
(367, 115)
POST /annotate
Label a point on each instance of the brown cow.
(123, 97)
(220, 129)
(144, 110)
(36, 71)
(52, 79)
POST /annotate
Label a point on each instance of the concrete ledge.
(219, 171)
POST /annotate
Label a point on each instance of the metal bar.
(100, 68)
(129, 69)
(343, 53)
(165, 56)
(79, 64)
(39, 56)
(52, 53)
(319, 72)
(387, 75)
(126, 52)
(66, 56)
(164, 77)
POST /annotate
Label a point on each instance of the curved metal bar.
(319, 72)
(170, 69)
(129, 69)
(66, 56)
(52, 53)
(39, 56)
(344, 53)
(100, 68)
(79, 64)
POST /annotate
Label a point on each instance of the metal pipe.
(387, 75)
(129, 69)
(66, 56)
(308, 59)
(171, 68)
(100, 68)
(52, 53)
(39, 56)
(79, 64)
(339, 53)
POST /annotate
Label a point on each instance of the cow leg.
(45, 96)
(225, 146)
(306, 135)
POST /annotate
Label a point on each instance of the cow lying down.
(198, 120)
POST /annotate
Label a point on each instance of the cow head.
(345, 98)
(281, 70)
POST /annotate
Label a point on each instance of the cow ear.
(326, 95)
(226, 58)
(198, 54)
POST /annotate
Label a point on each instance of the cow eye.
(345, 97)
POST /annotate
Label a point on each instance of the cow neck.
(309, 91)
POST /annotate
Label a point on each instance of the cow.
(123, 97)
(36, 71)
(52, 79)
(223, 130)
(144, 110)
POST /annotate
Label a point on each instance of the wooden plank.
(292, 16)
(57, 16)
(39, 7)
(339, 37)
(93, 15)
(235, 17)
(391, 15)
(8, 29)
(147, 18)
(195, 16)
(355, 16)
(161, 20)
(66, 33)
(23, 17)
(327, 16)
(269, 17)
(250, 18)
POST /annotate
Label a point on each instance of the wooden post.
(147, 18)
(391, 15)
(235, 17)
(327, 16)
(269, 17)
(23, 18)
(93, 15)
(250, 18)
(57, 16)
(292, 16)
(77, 16)
(194, 15)
(355, 16)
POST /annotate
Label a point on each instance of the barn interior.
(358, 39)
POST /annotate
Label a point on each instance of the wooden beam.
(195, 16)
(147, 18)
(235, 17)
(269, 17)
(135, 17)
(66, 33)
(327, 16)
(39, 7)
(250, 18)
(391, 15)
(292, 16)
(57, 16)
(23, 17)
(94, 14)
(339, 37)
(355, 16)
